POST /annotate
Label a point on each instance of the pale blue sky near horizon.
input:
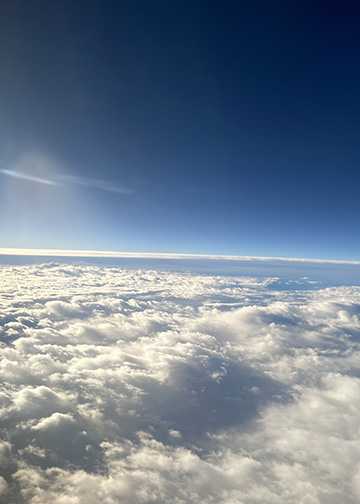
(188, 127)
(283, 273)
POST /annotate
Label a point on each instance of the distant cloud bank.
(159, 255)
(139, 386)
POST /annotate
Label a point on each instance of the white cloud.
(157, 255)
(54, 421)
(148, 386)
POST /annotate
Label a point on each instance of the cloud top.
(141, 386)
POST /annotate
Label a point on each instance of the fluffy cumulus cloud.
(139, 386)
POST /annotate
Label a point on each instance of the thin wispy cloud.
(103, 185)
(62, 179)
(26, 176)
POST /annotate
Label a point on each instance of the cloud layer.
(156, 255)
(151, 387)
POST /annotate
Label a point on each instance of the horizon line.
(158, 255)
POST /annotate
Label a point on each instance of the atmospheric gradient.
(198, 127)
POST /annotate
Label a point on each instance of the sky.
(188, 127)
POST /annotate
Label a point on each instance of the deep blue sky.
(224, 127)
